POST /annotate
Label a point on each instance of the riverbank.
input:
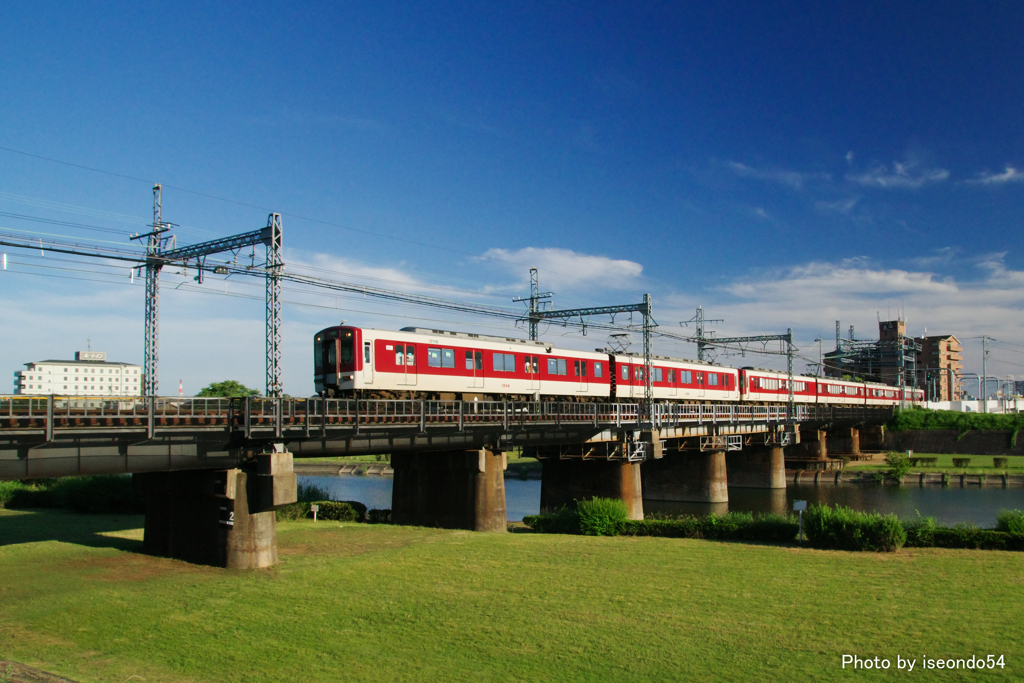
(372, 602)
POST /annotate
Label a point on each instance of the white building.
(90, 374)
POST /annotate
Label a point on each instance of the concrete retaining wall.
(994, 442)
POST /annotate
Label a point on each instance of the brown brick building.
(938, 367)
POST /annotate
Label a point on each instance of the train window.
(713, 379)
(318, 356)
(504, 362)
(410, 355)
(686, 377)
(576, 368)
(469, 360)
(447, 358)
(584, 366)
(331, 354)
(434, 357)
(366, 352)
(658, 374)
(671, 376)
(557, 366)
(598, 370)
(625, 372)
(399, 354)
(532, 364)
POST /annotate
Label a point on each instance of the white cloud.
(569, 269)
(1010, 175)
(793, 179)
(843, 206)
(811, 297)
(900, 176)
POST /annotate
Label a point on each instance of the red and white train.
(435, 364)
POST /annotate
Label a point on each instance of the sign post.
(800, 506)
(314, 508)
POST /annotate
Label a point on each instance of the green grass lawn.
(352, 602)
(980, 464)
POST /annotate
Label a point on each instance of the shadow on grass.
(31, 526)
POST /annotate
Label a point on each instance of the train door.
(700, 383)
(533, 370)
(368, 362)
(580, 370)
(475, 369)
(673, 382)
(405, 356)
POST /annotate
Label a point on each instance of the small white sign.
(314, 508)
(799, 505)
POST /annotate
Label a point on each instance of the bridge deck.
(61, 436)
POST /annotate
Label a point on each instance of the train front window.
(345, 355)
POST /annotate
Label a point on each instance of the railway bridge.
(214, 469)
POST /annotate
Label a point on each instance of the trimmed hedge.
(379, 516)
(745, 526)
(107, 493)
(961, 462)
(331, 510)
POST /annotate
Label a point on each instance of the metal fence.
(287, 414)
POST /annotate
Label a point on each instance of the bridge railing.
(257, 415)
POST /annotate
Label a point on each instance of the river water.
(948, 505)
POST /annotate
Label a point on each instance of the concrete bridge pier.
(571, 479)
(223, 518)
(462, 489)
(872, 437)
(845, 440)
(690, 477)
(757, 467)
(813, 444)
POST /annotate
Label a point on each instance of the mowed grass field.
(980, 464)
(354, 602)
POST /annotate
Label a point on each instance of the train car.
(674, 379)
(758, 385)
(440, 364)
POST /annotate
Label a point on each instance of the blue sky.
(781, 164)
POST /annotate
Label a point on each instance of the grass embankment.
(376, 602)
(980, 464)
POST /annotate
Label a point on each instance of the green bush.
(1010, 521)
(379, 516)
(1000, 463)
(924, 462)
(601, 516)
(842, 528)
(899, 465)
(293, 512)
(961, 462)
(339, 511)
(921, 532)
(334, 510)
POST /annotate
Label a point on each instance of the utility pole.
(649, 325)
(984, 374)
(534, 299)
(275, 264)
(699, 322)
(154, 245)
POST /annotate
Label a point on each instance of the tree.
(228, 388)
